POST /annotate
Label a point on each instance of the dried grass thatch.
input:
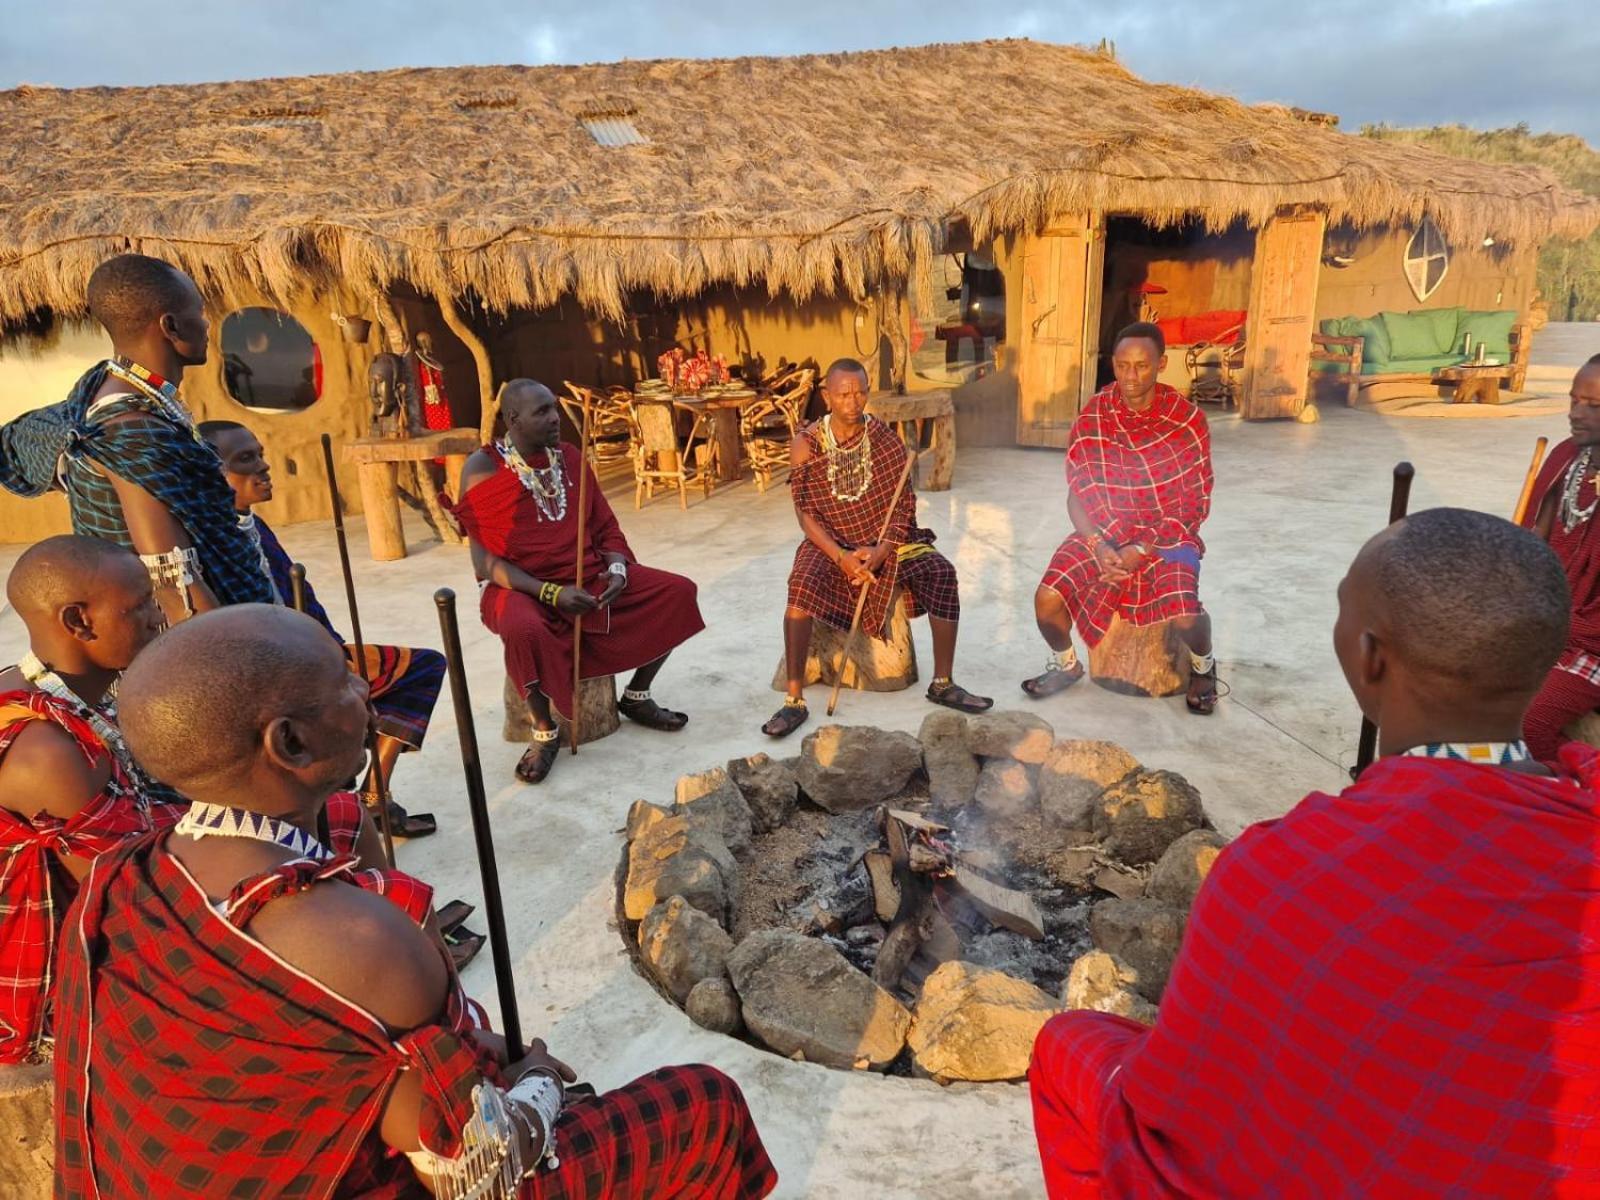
(810, 174)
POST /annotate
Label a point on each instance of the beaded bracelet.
(549, 593)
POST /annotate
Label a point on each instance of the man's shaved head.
(132, 292)
(847, 366)
(531, 414)
(521, 392)
(87, 603)
(1467, 599)
(62, 570)
(196, 706)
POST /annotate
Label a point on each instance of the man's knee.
(1047, 603)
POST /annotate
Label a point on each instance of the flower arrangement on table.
(687, 376)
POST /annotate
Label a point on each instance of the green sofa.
(1396, 345)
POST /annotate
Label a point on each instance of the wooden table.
(908, 414)
(1474, 383)
(376, 460)
(724, 412)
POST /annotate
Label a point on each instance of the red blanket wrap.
(1141, 477)
(1391, 992)
(657, 612)
(35, 888)
(1579, 550)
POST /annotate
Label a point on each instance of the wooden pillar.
(1283, 305)
(454, 464)
(480, 356)
(380, 500)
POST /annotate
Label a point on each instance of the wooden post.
(454, 465)
(380, 500)
(480, 356)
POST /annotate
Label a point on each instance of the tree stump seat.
(1141, 660)
(27, 1131)
(597, 708)
(874, 666)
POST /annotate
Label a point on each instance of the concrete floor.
(1293, 503)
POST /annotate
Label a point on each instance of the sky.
(1483, 63)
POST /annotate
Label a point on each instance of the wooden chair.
(1214, 368)
(611, 433)
(660, 460)
(768, 426)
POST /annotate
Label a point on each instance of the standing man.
(844, 472)
(405, 682)
(125, 449)
(519, 508)
(69, 789)
(1138, 488)
(1562, 511)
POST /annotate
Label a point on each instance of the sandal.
(401, 823)
(651, 715)
(1204, 702)
(787, 719)
(953, 695)
(1055, 678)
(463, 945)
(453, 914)
(538, 758)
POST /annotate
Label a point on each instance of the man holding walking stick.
(859, 513)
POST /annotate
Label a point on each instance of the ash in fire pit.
(917, 905)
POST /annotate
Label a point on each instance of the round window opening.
(269, 362)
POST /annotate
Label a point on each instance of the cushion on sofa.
(1423, 333)
(1374, 337)
(1492, 329)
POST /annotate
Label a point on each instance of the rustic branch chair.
(768, 426)
(1214, 380)
(611, 432)
(660, 460)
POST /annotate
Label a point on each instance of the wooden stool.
(597, 704)
(27, 1131)
(378, 462)
(876, 666)
(1141, 660)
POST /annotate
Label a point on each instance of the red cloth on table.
(1221, 327)
(655, 613)
(1141, 477)
(1390, 992)
(35, 888)
(816, 584)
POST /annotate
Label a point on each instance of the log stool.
(27, 1131)
(1140, 660)
(875, 666)
(597, 705)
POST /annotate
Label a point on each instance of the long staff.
(1529, 480)
(297, 586)
(478, 806)
(576, 718)
(1399, 498)
(361, 650)
(866, 585)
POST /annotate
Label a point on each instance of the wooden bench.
(909, 414)
(378, 462)
(1141, 660)
(597, 706)
(876, 666)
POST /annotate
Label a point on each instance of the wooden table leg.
(454, 464)
(944, 454)
(725, 428)
(380, 500)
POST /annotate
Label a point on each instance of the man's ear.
(1161, 363)
(285, 745)
(1374, 659)
(169, 327)
(75, 620)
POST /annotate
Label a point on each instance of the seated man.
(1561, 509)
(845, 469)
(214, 1040)
(69, 790)
(405, 682)
(1138, 488)
(1390, 991)
(519, 507)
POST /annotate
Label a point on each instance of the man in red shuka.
(1393, 991)
(1138, 488)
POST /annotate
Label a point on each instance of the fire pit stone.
(1074, 775)
(1007, 788)
(975, 1024)
(848, 767)
(1138, 818)
(1010, 734)
(676, 856)
(1104, 983)
(951, 766)
(1143, 933)
(1180, 871)
(714, 1005)
(713, 797)
(681, 946)
(769, 787)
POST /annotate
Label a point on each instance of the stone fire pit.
(915, 905)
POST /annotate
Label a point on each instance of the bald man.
(1562, 511)
(519, 508)
(69, 790)
(123, 445)
(214, 1040)
(1390, 991)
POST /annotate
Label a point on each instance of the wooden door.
(1059, 328)
(1283, 303)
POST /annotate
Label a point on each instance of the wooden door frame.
(1090, 227)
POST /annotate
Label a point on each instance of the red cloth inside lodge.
(1394, 991)
(1223, 327)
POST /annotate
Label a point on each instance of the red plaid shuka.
(1391, 992)
(819, 588)
(34, 887)
(657, 612)
(1141, 477)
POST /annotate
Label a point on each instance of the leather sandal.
(453, 914)
(1054, 679)
(463, 945)
(1204, 702)
(953, 695)
(402, 824)
(786, 720)
(537, 760)
(651, 715)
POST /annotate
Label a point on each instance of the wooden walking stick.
(477, 805)
(1520, 513)
(866, 586)
(576, 717)
(297, 587)
(1399, 498)
(361, 650)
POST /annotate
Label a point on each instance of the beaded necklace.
(1571, 515)
(849, 470)
(1493, 754)
(219, 820)
(99, 717)
(162, 393)
(548, 485)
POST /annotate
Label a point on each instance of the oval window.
(1427, 259)
(269, 362)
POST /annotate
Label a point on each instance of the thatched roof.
(807, 174)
